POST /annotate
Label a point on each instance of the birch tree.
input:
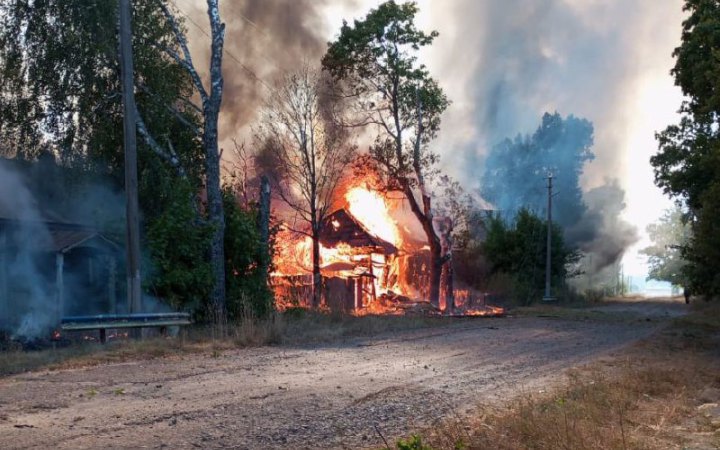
(307, 150)
(210, 101)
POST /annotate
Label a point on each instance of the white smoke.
(31, 304)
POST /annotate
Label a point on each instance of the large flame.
(371, 209)
(373, 278)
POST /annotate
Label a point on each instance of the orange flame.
(371, 209)
(376, 282)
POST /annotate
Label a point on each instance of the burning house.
(357, 270)
(370, 260)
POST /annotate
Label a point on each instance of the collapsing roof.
(341, 227)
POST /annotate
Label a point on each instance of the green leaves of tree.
(687, 165)
(518, 249)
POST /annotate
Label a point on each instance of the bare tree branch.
(187, 61)
(177, 114)
(168, 155)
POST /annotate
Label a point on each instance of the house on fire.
(359, 261)
(50, 267)
(354, 263)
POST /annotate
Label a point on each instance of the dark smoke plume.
(264, 39)
(601, 231)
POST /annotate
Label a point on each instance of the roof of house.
(66, 240)
(31, 201)
(341, 227)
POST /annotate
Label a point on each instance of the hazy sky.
(604, 60)
(503, 63)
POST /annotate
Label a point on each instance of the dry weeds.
(663, 393)
(294, 327)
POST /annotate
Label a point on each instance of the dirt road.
(316, 397)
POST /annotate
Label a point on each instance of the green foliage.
(414, 442)
(377, 60)
(670, 237)
(687, 165)
(703, 253)
(179, 273)
(61, 92)
(182, 274)
(515, 170)
(246, 284)
(61, 85)
(518, 249)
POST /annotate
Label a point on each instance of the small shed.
(353, 282)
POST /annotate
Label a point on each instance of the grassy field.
(663, 393)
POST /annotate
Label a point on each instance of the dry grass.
(304, 327)
(648, 399)
(294, 327)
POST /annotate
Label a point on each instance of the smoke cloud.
(503, 64)
(263, 40)
(523, 58)
(29, 311)
(601, 232)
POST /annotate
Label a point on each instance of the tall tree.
(211, 100)
(61, 90)
(669, 236)
(515, 170)
(306, 149)
(687, 165)
(377, 60)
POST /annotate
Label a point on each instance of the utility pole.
(548, 257)
(134, 294)
(264, 226)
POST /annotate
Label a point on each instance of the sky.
(502, 63)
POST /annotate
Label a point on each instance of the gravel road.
(329, 396)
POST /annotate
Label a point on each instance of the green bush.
(519, 250)
(246, 284)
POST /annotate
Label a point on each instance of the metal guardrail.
(103, 322)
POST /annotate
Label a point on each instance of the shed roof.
(341, 227)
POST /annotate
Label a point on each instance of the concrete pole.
(548, 257)
(60, 285)
(4, 294)
(132, 208)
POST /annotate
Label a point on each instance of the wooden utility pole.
(548, 257)
(134, 293)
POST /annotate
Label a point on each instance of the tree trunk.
(317, 275)
(216, 213)
(435, 275)
(447, 281)
(436, 262)
(216, 216)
